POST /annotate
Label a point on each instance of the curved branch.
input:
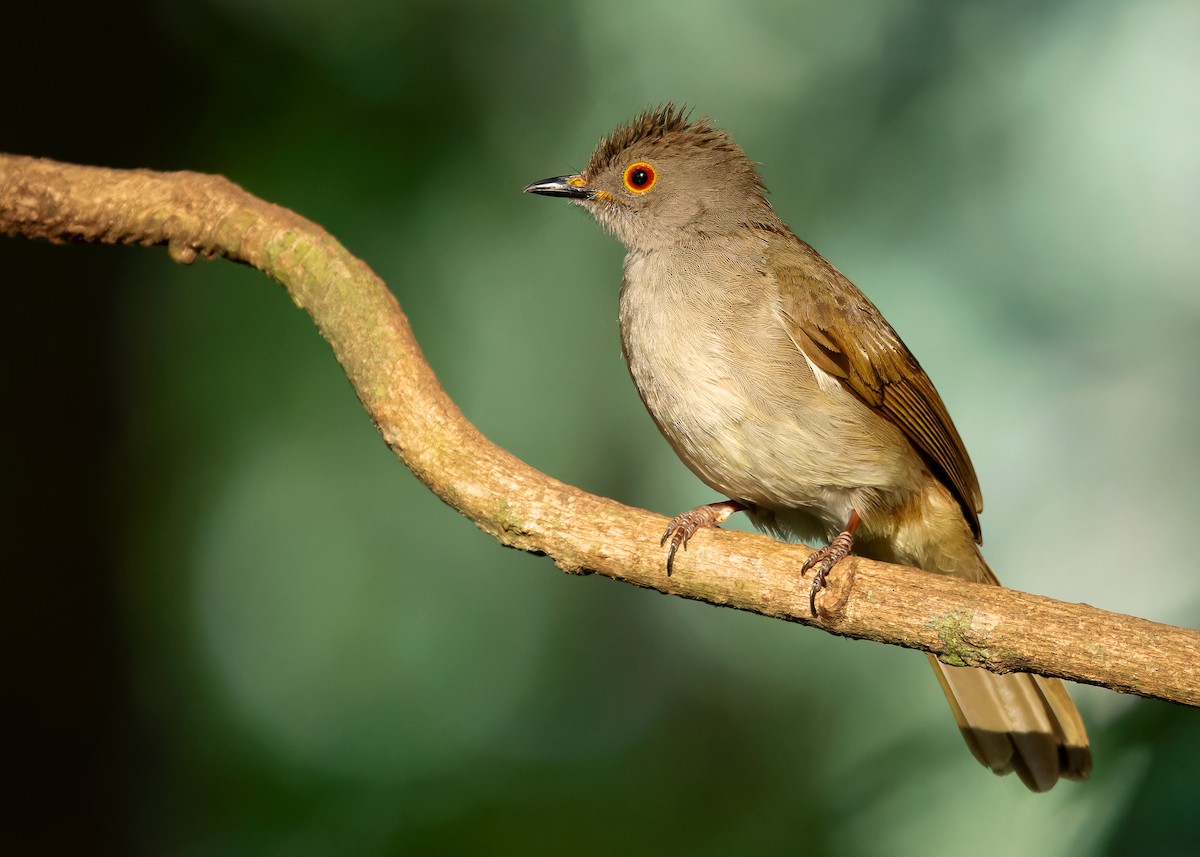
(197, 215)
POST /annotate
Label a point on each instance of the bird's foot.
(827, 557)
(684, 526)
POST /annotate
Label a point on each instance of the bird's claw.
(682, 527)
(680, 531)
(825, 559)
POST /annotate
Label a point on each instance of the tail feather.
(1075, 750)
(1018, 722)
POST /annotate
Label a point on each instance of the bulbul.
(782, 387)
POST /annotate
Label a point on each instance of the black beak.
(572, 187)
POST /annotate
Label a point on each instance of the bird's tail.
(1017, 722)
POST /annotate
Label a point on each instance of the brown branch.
(207, 216)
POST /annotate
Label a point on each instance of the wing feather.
(842, 332)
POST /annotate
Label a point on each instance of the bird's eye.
(639, 177)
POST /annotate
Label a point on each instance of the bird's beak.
(572, 187)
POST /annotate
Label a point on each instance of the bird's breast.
(710, 355)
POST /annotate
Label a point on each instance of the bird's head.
(662, 180)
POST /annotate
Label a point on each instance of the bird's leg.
(828, 557)
(684, 526)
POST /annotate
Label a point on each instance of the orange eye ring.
(640, 177)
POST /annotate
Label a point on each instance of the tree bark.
(203, 216)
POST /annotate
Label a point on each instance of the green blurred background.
(238, 626)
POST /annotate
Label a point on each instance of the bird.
(783, 388)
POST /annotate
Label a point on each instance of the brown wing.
(842, 332)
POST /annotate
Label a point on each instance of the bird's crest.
(656, 124)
